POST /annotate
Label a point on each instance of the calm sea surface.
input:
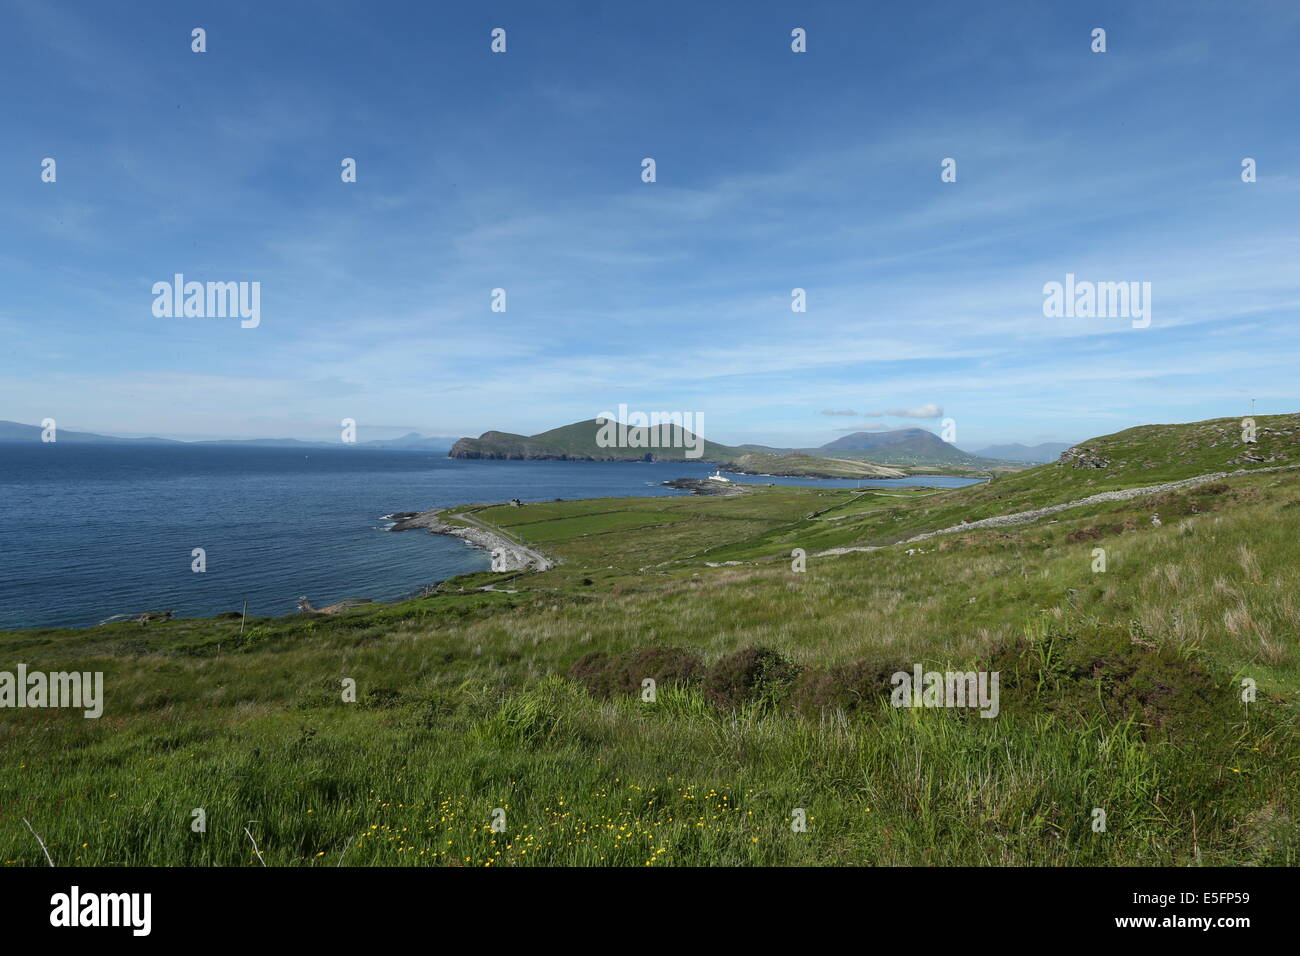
(89, 531)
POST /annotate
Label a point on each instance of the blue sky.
(522, 170)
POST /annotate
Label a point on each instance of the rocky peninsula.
(507, 554)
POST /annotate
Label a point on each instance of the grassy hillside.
(1120, 690)
(1150, 454)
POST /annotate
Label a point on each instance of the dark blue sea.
(89, 531)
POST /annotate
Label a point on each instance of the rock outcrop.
(703, 486)
(507, 555)
(1081, 457)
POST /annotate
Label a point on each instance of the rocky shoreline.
(507, 555)
(703, 486)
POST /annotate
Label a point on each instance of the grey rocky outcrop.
(1081, 457)
(703, 486)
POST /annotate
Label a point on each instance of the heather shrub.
(747, 675)
(604, 675)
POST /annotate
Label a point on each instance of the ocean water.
(90, 531)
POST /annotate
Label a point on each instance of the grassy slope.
(462, 707)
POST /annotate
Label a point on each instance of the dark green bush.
(747, 675)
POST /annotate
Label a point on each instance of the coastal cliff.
(582, 441)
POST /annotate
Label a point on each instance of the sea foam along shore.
(507, 555)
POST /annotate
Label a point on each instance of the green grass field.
(1120, 691)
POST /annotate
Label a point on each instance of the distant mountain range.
(907, 447)
(15, 431)
(1038, 454)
